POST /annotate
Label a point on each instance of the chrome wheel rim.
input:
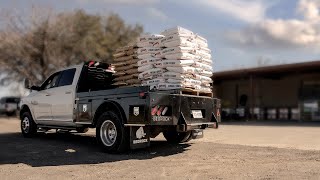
(25, 125)
(108, 133)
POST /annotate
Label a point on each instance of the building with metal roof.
(288, 92)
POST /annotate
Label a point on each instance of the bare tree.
(35, 47)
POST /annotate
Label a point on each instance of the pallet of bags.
(126, 59)
(184, 63)
(184, 45)
(125, 63)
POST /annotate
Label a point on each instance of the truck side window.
(66, 77)
(95, 79)
(51, 82)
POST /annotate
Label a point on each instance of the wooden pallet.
(189, 91)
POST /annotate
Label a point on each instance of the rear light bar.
(159, 110)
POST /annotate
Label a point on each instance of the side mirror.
(27, 84)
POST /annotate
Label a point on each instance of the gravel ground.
(235, 151)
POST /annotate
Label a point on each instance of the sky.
(240, 33)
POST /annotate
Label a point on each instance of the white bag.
(145, 44)
(153, 82)
(149, 37)
(180, 56)
(205, 49)
(173, 75)
(203, 54)
(145, 68)
(148, 61)
(190, 82)
(201, 44)
(151, 73)
(203, 66)
(201, 39)
(176, 37)
(205, 61)
(182, 70)
(158, 43)
(147, 50)
(173, 63)
(168, 86)
(179, 49)
(180, 42)
(177, 30)
(206, 73)
(203, 79)
(146, 56)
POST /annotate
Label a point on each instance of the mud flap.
(139, 137)
(197, 134)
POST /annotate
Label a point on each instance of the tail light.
(91, 63)
(161, 111)
(154, 110)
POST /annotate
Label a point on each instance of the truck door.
(41, 100)
(63, 97)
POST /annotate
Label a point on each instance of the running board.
(56, 127)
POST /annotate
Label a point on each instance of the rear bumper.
(184, 126)
(190, 127)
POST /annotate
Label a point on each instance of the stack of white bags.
(126, 59)
(175, 59)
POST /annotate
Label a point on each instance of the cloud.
(310, 10)
(156, 13)
(249, 11)
(284, 33)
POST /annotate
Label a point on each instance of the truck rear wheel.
(28, 126)
(111, 135)
(177, 137)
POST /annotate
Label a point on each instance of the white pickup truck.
(82, 97)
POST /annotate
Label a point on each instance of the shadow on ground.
(54, 149)
(273, 123)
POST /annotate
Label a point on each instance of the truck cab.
(82, 96)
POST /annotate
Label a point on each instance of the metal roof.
(312, 66)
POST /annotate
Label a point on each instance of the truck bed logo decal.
(161, 118)
(140, 134)
(84, 108)
(136, 111)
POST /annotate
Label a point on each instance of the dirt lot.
(235, 151)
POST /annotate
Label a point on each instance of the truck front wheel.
(28, 126)
(111, 135)
(177, 137)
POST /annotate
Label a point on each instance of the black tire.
(28, 130)
(82, 130)
(177, 137)
(121, 139)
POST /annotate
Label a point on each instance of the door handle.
(47, 94)
(68, 92)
